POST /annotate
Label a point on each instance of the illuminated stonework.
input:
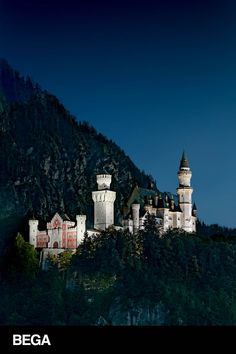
(103, 203)
(59, 234)
(170, 212)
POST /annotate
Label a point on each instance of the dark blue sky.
(156, 78)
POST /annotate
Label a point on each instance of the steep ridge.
(49, 160)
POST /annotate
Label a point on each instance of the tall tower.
(33, 230)
(103, 203)
(135, 212)
(80, 228)
(184, 192)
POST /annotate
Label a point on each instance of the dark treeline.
(187, 279)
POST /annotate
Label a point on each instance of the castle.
(170, 212)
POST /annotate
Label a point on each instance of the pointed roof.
(194, 207)
(184, 161)
(57, 217)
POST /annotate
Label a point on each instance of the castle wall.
(142, 223)
(177, 220)
(72, 239)
(128, 225)
(166, 221)
(58, 235)
(42, 239)
(55, 238)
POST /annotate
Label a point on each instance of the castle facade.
(170, 212)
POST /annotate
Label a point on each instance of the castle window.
(55, 244)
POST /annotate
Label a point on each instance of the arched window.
(55, 244)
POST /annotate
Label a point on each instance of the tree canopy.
(191, 276)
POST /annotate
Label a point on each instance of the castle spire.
(184, 192)
(194, 210)
(184, 161)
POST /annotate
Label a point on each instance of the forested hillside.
(49, 160)
(123, 279)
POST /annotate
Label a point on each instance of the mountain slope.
(48, 160)
(15, 87)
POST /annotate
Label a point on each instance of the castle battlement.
(104, 181)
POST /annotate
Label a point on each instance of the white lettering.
(45, 340)
(35, 339)
(17, 339)
(28, 339)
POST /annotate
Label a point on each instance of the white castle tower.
(80, 228)
(184, 192)
(135, 214)
(33, 230)
(103, 203)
